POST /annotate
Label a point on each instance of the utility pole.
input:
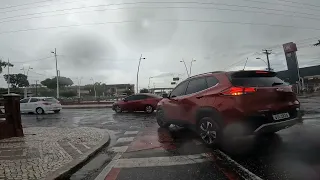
(8, 77)
(267, 52)
(138, 72)
(36, 87)
(55, 55)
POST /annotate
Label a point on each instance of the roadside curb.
(65, 171)
(86, 107)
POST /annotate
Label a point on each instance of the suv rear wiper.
(276, 84)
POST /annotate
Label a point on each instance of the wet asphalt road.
(291, 154)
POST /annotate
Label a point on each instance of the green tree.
(51, 83)
(144, 90)
(17, 80)
(4, 64)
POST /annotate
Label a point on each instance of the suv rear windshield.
(256, 79)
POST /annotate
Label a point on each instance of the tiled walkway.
(45, 150)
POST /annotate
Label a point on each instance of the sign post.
(293, 76)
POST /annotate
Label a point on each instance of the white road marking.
(86, 146)
(119, 149)
(105, 122)
(161, 161)
(108, 168)
(125, 139)
(249, 174)
(131, 132)
(75, 148)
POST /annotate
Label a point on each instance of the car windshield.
(50, 100)
(159, 89)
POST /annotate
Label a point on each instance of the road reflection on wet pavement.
(141, 150)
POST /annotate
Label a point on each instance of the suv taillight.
(237, 91)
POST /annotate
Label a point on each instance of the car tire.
(161, 120)
(209, 131)
(56, 111)
(39, 110)
(148, 109)
(117, 109)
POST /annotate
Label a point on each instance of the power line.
(182, 2)
(301, 41)
(34, 60)
(162, 20)
(180, 7)
(13, 6)
(38, 73)
(305, 4)
(275, 3)
(45, 5)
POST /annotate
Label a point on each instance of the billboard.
(292, 63)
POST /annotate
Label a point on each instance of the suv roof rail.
(206, 73)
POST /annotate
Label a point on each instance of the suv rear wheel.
(161, 119)
(209, 131)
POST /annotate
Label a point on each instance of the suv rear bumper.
(277, 126)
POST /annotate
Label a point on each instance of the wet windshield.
(150, 89)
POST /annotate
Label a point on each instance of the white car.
(40, 105)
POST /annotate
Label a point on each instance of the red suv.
(217, 104)
(137, 102)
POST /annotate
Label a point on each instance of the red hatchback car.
(218, 104)
(137, 102)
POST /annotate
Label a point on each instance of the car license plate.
(277, 117)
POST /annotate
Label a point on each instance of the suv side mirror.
(165, 95)
(125, 100)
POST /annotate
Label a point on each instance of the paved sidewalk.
(48, 152)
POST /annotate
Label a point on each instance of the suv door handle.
(199, 97)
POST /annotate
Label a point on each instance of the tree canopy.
(17, 80)
(4, 64)
(144, 90)
(52, 83)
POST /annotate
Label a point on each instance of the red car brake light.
(236, 91)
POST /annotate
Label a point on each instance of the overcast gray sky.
(103, 39)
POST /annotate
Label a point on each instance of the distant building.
(109, 89)
(310, 76)
(118, 89)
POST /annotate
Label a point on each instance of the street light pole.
(57, 76)
(79, 83)
(185, 67)
(193, 60)
(26, 88)
(8, 77)
(138, 72)
(94, 88)
(149, 83)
